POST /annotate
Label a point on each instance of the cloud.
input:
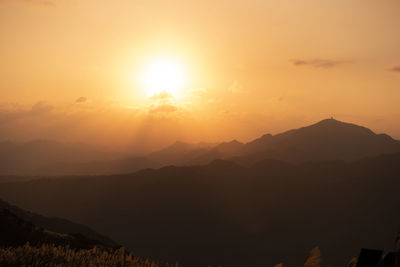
(81, 99)
(395, 69)
(41, 107)
(200, 91)
(318, 63)
(15, 112)
(235, 87)
(69, 123)
(211, 101)
(161, 96)
(165, 108)
(109, 124)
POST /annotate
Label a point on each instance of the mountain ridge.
(328, 139)
(274, 211)
(57, 225)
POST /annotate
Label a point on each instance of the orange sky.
(252, 67)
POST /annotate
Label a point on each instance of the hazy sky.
(71, 69)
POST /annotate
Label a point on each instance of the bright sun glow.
(164, 75)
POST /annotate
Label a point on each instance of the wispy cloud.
(120, 127)
(161, 96)
(235, 87)
(165, 108)
(41, 107)
(318, 63)
(395, 69)
(81, 99)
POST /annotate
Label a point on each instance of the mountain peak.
(328, 139)
(334, 125)
(332, 121)
(233, 142)
(229, 145)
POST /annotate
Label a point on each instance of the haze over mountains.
(332, 184)
(326, 140)
(31, 157)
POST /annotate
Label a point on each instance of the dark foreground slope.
(269, 213)
(56, 225)
(23, 243)
(15, 232)
(60, 256)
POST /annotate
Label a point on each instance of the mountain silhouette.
(180, 153)
(28, 222)
(15, 231)
(326, 140)
(272, 211)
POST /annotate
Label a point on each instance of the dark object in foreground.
(369, 257)
(391, 260)
(373, 258)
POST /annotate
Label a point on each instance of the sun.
(164, 76)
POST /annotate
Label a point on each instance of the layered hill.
(270, 212)
(326, 140)
(15, 232)
(20, 226)
(24, 243)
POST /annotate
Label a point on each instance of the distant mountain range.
(332, 184)
(33, 158)
(324, 141)
(233, 215)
